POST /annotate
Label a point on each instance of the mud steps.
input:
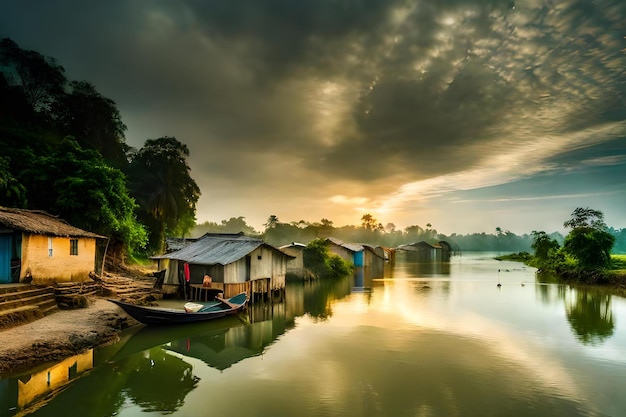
(21, 304)
(24, 303)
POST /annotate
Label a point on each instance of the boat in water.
(191, 313)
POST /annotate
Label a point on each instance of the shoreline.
(60, 335)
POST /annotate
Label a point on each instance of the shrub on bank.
(323, 264)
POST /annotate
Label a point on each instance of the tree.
(236, 225)
(543, 245)
(162, 185)
(369, 222)
(94, 121)
(586, 217)
(323, 264)
(326, 223)
(83, 189)
(12, 192)
(590, 247)
(272, 221)
(41, 79)
(589, 242)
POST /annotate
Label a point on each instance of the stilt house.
(234, 262)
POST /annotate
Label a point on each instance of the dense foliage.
(586, 252)
(164, 189)
(64, 152)
(323, 264)
(90, 194)
(589, 242)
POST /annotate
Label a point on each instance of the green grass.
(618, 263)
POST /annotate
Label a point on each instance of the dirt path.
(61, 335)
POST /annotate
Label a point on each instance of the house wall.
(263, 263)
(171, 267)
(235, 273)
(279, 271)
(61, 266)
(295, 266)
(344, 253)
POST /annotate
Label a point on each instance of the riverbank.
(613, 280)
(61, 335)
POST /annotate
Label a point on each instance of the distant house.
(349, 252)
(39, 247)
(234, 262)
(426, 251)
(295, 266)
(359, 254)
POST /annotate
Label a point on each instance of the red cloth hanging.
(187, 274)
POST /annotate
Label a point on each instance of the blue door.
(5, 258)
(358, 258)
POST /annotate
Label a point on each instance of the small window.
(259, 257)
(50, 247)
(73, 246)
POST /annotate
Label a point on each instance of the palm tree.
(163, 188)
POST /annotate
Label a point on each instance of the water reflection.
(588, 310)
(30, 391)
(157, 380)
(407, 266)
(589, 313)
(434, 340)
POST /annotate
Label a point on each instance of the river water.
(425, 339)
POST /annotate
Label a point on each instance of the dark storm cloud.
(493, 65)
(368, 96)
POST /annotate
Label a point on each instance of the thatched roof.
(40, 223)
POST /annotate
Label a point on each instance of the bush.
(322, 263)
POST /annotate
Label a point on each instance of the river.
(425, 339)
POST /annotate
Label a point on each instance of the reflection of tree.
(160, 381)
(590, 316)
(154, 380)
(319, 296)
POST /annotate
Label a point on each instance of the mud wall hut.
(38, 247)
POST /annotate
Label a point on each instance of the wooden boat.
(161, 315)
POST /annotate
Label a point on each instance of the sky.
(463, 114)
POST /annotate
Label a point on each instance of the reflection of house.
(235, 263)
(38, 245)
(29, 390)
(221, 349)
(295, 266)
(424, 250)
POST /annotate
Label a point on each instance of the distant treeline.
(278, 234)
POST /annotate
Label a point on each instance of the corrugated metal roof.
(211, 250)
(350, 246)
